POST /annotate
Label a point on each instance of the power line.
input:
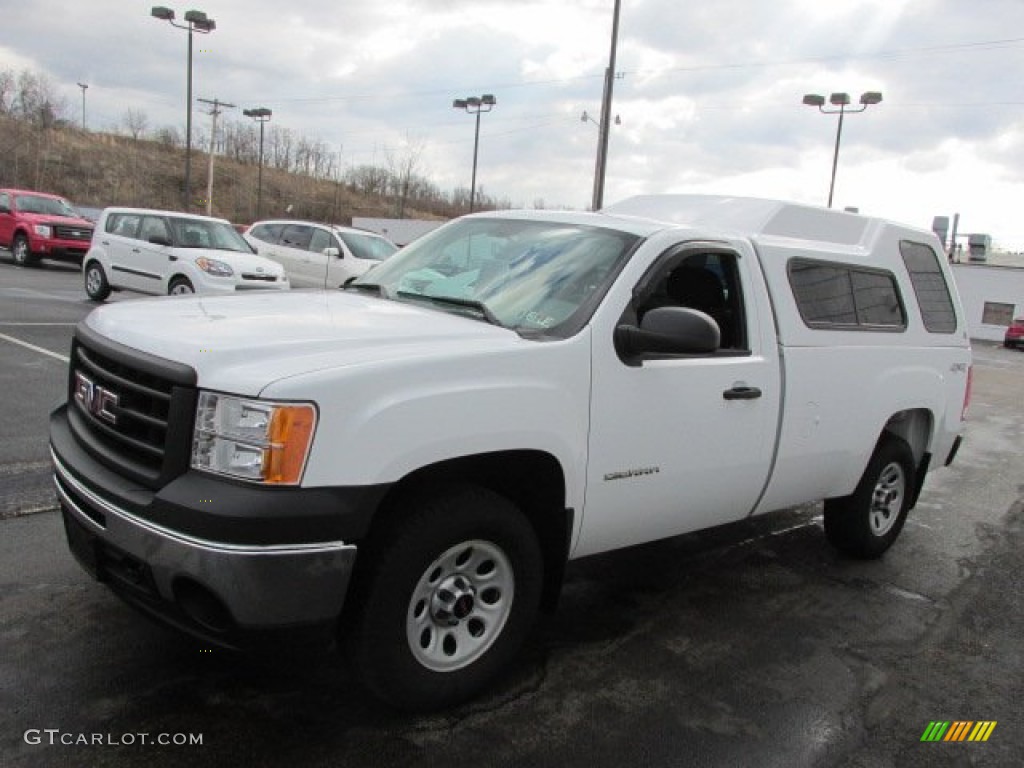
(891, 54)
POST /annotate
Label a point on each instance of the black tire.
(867, 522)
(96, 286)
(180, 286)
(411, 617)
(21, 252)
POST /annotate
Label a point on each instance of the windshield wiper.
(457, 301)
(374, 288)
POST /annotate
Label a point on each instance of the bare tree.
(402, 166)
(36, 102)
(136, 123)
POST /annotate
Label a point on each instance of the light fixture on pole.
(83, 86)
(586, 118)
(474, 105)
(195, 21)
(841, 100)
(260, 115)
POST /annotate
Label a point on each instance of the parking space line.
(33, 347)
(12, 323)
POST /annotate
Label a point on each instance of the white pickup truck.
(410, 463)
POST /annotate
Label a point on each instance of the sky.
(709, 94)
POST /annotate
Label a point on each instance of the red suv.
(1015, 334)
(36, 225)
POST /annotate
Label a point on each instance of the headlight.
(214, 267)
(256, 440)
(43, 230)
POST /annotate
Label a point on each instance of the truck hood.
(243, 343)
(50, 218)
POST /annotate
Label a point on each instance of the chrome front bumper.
(262, 587)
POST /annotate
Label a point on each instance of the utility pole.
(601, 164)
(215, 106)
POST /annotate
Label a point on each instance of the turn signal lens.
(291, 433)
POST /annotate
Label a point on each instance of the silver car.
(318, 255)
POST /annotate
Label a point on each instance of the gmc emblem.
(95, 399)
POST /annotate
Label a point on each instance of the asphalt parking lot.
(754, 645)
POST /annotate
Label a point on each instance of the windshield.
(201, 233)
(48, 206)
(368, 246)
(525, 275)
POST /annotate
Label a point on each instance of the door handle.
(742, 393)
(172, 258)
(135, 250)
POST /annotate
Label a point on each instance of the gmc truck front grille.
(66, 232)
(131, 411)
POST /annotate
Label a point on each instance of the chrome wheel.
(93, 281)
(19, 250)
(460, 605)
(887, 499)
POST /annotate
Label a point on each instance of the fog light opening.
(202, 606)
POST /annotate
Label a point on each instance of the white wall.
(978, 283)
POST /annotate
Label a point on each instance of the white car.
(165, 252)
(319, 255)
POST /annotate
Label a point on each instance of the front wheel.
(180, 286)
(22, 253)
(867, 522)
(448, 595)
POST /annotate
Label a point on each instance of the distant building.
(992, 292)
(398, 231)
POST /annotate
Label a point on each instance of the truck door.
(679, 443)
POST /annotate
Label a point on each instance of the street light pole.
(841, 100)
(601, 165)
(195, 21)
(83, 86)
(474, 105)
(260, 115)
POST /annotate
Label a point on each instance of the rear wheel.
(450, 593)
(96, 286)
(867, 522)
(180, 286)
(22, 253)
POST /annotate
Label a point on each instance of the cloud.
(709, 97)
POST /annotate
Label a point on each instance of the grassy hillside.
(103, 169)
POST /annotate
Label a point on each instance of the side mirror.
(160, 240)
(332, 252)
(668, 331)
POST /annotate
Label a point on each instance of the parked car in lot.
(1014, 336)
(319, 255)
(36, 225)
(164, 252)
